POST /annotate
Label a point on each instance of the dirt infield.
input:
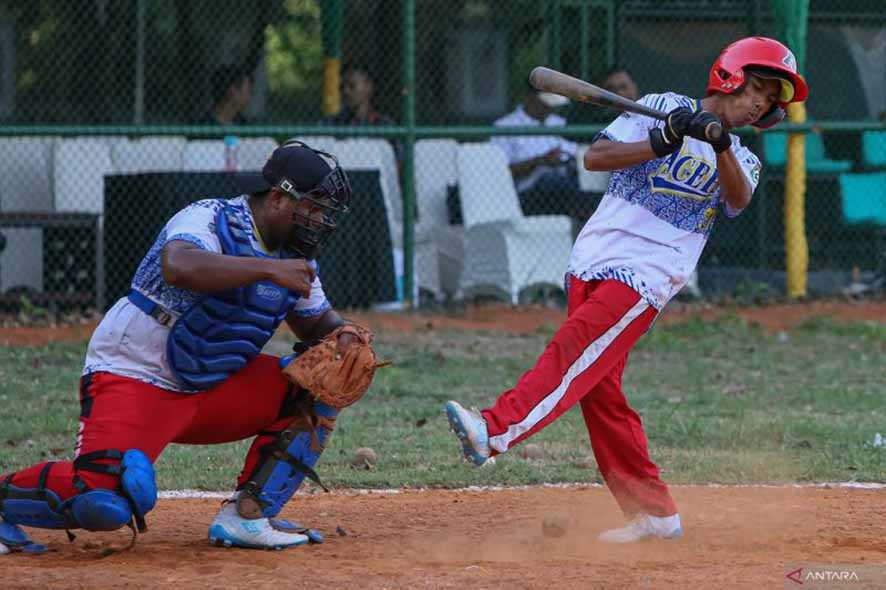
(736, 537)
(521, 319)
(739, 537)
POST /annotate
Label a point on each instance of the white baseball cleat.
(470, 428)
(644, 526)
(229, 529)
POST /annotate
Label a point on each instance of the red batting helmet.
(728, 72)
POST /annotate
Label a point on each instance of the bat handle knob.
(714, 131)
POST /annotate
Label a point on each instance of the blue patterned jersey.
(128, 342)
(655, 218)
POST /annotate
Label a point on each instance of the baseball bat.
(548, 80)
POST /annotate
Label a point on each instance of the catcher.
(178, 360)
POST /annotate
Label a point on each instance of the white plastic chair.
(439, 246)
(594, 181)
(21, 262)
(25, 185)
(79, 168)
(376, 154)
(368, 154)
(504, 250)
(148, 154)
(253, 152)
(26, 174)
(390, 174)
(204, 155)
(108, 140)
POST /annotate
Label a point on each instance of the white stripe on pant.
(591, 353)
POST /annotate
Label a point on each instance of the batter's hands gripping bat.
(548, 80)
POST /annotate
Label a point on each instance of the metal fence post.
(408, 120)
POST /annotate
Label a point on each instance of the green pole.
(408, 121)
(790, 24)
(332, 17)
(754, 25)
(585, 12)
(556, 24)
(610, 35)
(790, 18)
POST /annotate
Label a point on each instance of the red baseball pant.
(123, 413)
(584, 363)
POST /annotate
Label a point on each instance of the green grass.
(721, 401)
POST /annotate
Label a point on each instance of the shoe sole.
(458, 427)
(645, 538)
(220, 537)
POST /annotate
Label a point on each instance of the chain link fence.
(117, 114)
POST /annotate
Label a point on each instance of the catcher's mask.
(313, 176)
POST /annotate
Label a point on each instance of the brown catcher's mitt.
(336, 375)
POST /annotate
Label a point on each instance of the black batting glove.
(698, 126)
(668, 139)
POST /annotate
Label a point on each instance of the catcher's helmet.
(311, 175)
(766, 58)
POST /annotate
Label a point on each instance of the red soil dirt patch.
(735, 537)
(39, 335)
(524, 319)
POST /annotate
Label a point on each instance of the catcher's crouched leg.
(337, 372)
(91, 509)
(248, 519)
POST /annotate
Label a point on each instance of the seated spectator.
(543, 166)
(359, 109)
(231, 93)
(619, 81)
(359, 91)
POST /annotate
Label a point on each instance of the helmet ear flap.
(775, 116)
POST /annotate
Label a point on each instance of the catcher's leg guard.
(90, 509)
(13, 538)
(287, 461)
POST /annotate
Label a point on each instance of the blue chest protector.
(222, 332)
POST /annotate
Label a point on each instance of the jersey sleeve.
(750, 167)
(631, 127)
(316, 303)
(195, 224)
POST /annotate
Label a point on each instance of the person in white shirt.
(543, 166)
(668, 185)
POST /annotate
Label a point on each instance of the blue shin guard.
(13, 538)
(287, 461)
(91, 509)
